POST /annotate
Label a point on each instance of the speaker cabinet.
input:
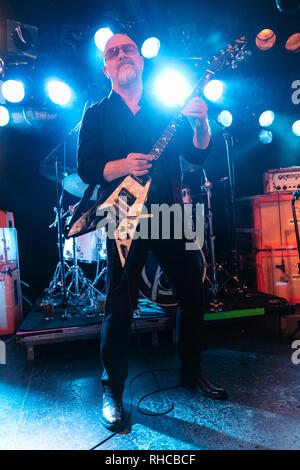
(273, 221)
(6, 219)
(278, 273)
(11, 313)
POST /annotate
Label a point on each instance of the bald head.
(118, 40)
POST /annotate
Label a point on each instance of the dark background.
(263, 82)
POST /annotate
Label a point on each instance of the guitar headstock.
(231, 56)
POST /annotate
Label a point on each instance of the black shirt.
(110, 131)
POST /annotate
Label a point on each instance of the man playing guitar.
(115, 136)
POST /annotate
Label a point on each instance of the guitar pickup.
(142, 180)
(129, 196)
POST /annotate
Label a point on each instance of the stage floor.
(261, 310)
(54, 402)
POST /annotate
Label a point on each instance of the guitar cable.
(151, 371)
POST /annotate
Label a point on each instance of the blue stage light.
(266, 118)
(265, 136)
(213, 90)
(4, 116)
(150, 47)
(101, 37)
(296, 128)
(225, 118)
(59, 92)
(13, 91)
(172, 88)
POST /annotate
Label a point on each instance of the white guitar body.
(126, 202)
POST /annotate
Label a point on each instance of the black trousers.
(184, 271)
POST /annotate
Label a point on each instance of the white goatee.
(126, 74)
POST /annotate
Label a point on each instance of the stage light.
(172, 88)
(265, 136)
(101, 37)
(150, 47)
(266, 118)
(265, 39)
(4, 116)
(13, 91)
(59, 92)
(213, 90)
(293, 43)
(225, 118)
(296, 128)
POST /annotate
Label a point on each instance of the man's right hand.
(134, 164)
(137, 164)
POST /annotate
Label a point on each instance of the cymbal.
(74, 185)
(49, 171)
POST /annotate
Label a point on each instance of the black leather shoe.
(112, 413)
(201, 384)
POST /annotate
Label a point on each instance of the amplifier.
(282, 180)
(6, 219)
(278, 273)
(273, 221)
(11, 313)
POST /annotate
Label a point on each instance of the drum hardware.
(80, 288)
(214, 282)
(230, 210)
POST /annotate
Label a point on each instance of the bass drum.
(154, 283)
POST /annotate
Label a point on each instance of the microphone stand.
(229, 141)
(296, 195)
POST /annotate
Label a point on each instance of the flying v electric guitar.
(123, 207)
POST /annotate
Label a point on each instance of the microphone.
(296, 194)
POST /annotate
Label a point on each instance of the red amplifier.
(11, 313)
(6, 219)
(278, 273)
(273, 221)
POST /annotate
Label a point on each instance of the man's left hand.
(196, 108)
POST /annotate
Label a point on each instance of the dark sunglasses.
(126, 48)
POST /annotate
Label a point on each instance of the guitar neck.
(177, 119)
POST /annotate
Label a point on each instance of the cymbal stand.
(60, 269)
(80, 287)
(214, 283)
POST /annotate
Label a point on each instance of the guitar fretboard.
(177, 120)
